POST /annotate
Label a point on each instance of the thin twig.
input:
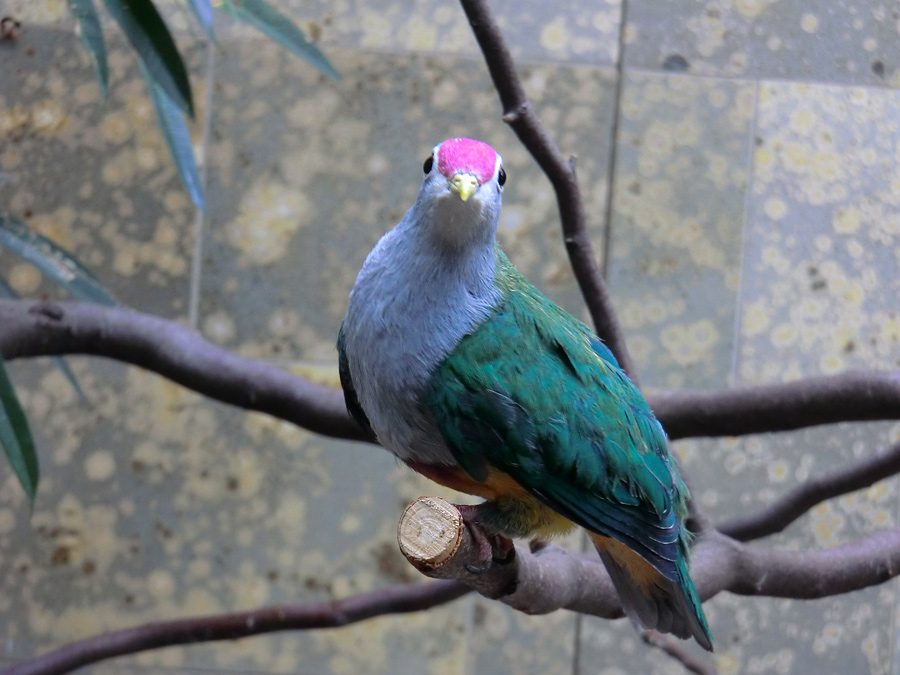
(521, 117)
(775, 517)
(336, 614)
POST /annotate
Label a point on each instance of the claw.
(491, 549)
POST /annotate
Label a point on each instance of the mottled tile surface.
(156, 504)
(820, 274)
(847, 41)
(819, 289)
(754, 238)
(573, 32)
(682, 166)
(309, 177)
(94, 178)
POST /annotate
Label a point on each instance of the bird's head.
(460, 198)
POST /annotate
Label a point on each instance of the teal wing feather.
(533, 393)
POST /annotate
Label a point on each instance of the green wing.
(533, 393)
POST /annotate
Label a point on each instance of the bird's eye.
(428, 164)
(501, 177)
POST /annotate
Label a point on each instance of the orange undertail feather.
(649, 599)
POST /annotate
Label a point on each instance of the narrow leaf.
(203, 11)
(92, 39)
(54, 261)
(150, 38)
(7, 291)
(268, 20)
(178, 138)
(15, 437)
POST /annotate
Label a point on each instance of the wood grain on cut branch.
(521, 117)
(334, 614)
(30, 328)
(533, 582)
(849, 478)
(555, 578)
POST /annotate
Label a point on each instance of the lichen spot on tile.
(809, 22)
(100, 465)
(269, 215)
(555, 35)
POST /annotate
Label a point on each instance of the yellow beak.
(464, 184)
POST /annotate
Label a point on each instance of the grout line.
(607, 241)
(614, 144)
(200, 216)
(748, 196)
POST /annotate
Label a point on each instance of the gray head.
(459, 202)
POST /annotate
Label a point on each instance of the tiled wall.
(753, 238)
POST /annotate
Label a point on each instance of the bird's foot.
(492, 549)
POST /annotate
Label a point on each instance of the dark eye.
(428, 164)
(501, 177)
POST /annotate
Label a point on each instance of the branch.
(677, 651)
(29, 329)
(849, 397)
(519, 114)
(555, 578)
(336, 614)
(791, 506)
(175, 352)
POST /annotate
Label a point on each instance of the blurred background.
(751, 149)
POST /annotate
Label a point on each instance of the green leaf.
(178, 138)
(92, 39)
(7, 292)
(203, 10)
(54, 261)
(150, 38)
(15, 437)
(268, 20)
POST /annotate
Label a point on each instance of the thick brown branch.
(520, 115)
(30, 329)
(555, 578)
(398, 600)
(786, 510)
(854, 396)
(48, 328)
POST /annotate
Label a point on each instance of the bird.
(470, 376)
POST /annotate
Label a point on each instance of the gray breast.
(408, 310)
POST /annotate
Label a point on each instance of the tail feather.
(650, 600)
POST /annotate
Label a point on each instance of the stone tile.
(586, 33)
(850, 41)
(505, 641)
(96, 179)
(682, 166)
(156, 504)
(823, 237)
(305, 176)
